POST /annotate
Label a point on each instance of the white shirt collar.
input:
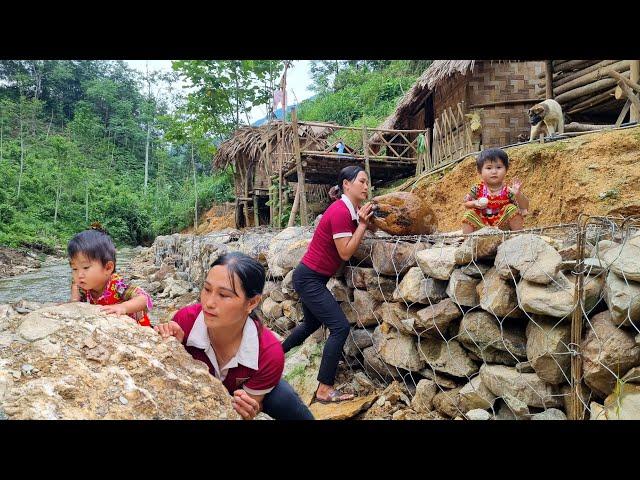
(352, 210)
(247, 354)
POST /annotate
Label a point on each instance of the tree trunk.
(86, 202)
(195, 189)
(146, 158)
(592, 76)
(50, 121)
(589, 89)
(21, 152)
(55, 213)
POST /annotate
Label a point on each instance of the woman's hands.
(365, 213)
(246, 406)
(170, 329)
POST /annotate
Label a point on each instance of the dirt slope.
(598, 174)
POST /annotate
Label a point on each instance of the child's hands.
(515, 187)
(524, 212)
(118, 309)
(170, 329)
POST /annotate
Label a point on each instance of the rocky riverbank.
(15, 262)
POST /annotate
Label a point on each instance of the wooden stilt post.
(635, 78)
(304, 219)
(281, 147)
(256, 217)
(294, 208)
(365, 147)
(548, 75)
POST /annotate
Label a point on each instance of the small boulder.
(530, 256)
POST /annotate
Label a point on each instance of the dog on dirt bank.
(547, 116)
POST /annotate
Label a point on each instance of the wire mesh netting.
(541, 323)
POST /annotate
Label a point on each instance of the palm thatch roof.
(438, 72)
(250, 143)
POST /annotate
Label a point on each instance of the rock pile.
(485, 321)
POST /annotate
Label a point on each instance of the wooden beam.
(294, 209)
(549, 78)
(365, 146)
(635, 79)
(622, 83)
(304, 219)
(256, 217)
(524, 101)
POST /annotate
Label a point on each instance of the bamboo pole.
(256, 217)
(592, 76)
(365, 146)
(587, 89)
(630, 95)
(590, 102)
(548, 70)
(294, 208)
(304, 219)
(635, 78)
(280, 147)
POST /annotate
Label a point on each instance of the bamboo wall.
(495, 82)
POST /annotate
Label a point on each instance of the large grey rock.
(292, 309)
(547, 349)
(415, 288)
(399, 316)
(437, 262)
(550, 414)
(382, 288)
(357, 341)
(608, 353)
(394, 258)
(571, 252)
(530, 256)
(376, 368)
(286, 250)
(475, 395)
(481, 330)
(435, 319)
(446, 357)
(557, 298)
(361, 311)
(624, 260)
(623, 300)
(482, 244)
(441, 380)
(526, 387)
(74, 361)
(476, 269)
(400, 350)
(256, 245)
(359, 277)
(498, 296)
(422, 401)
(478, 414)
(462, 289)
(301, 368)
(271, 309)
(448, 402)
(339, 290)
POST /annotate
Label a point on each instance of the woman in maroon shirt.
(239, 351)
(335, 240)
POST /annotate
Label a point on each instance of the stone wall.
(467, 325)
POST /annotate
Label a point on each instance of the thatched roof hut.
(256, 154)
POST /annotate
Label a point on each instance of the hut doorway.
(429, 120)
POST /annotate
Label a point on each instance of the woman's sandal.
(335, 397)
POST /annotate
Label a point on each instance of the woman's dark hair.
(250, 272)
(492, 154)
(95, 244)
(347, 173)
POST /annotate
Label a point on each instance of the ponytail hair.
(347, 173)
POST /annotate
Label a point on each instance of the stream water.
(51, 282)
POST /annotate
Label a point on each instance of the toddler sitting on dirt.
(491, 202)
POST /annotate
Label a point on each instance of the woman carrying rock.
(336, 239)
(223, 332)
